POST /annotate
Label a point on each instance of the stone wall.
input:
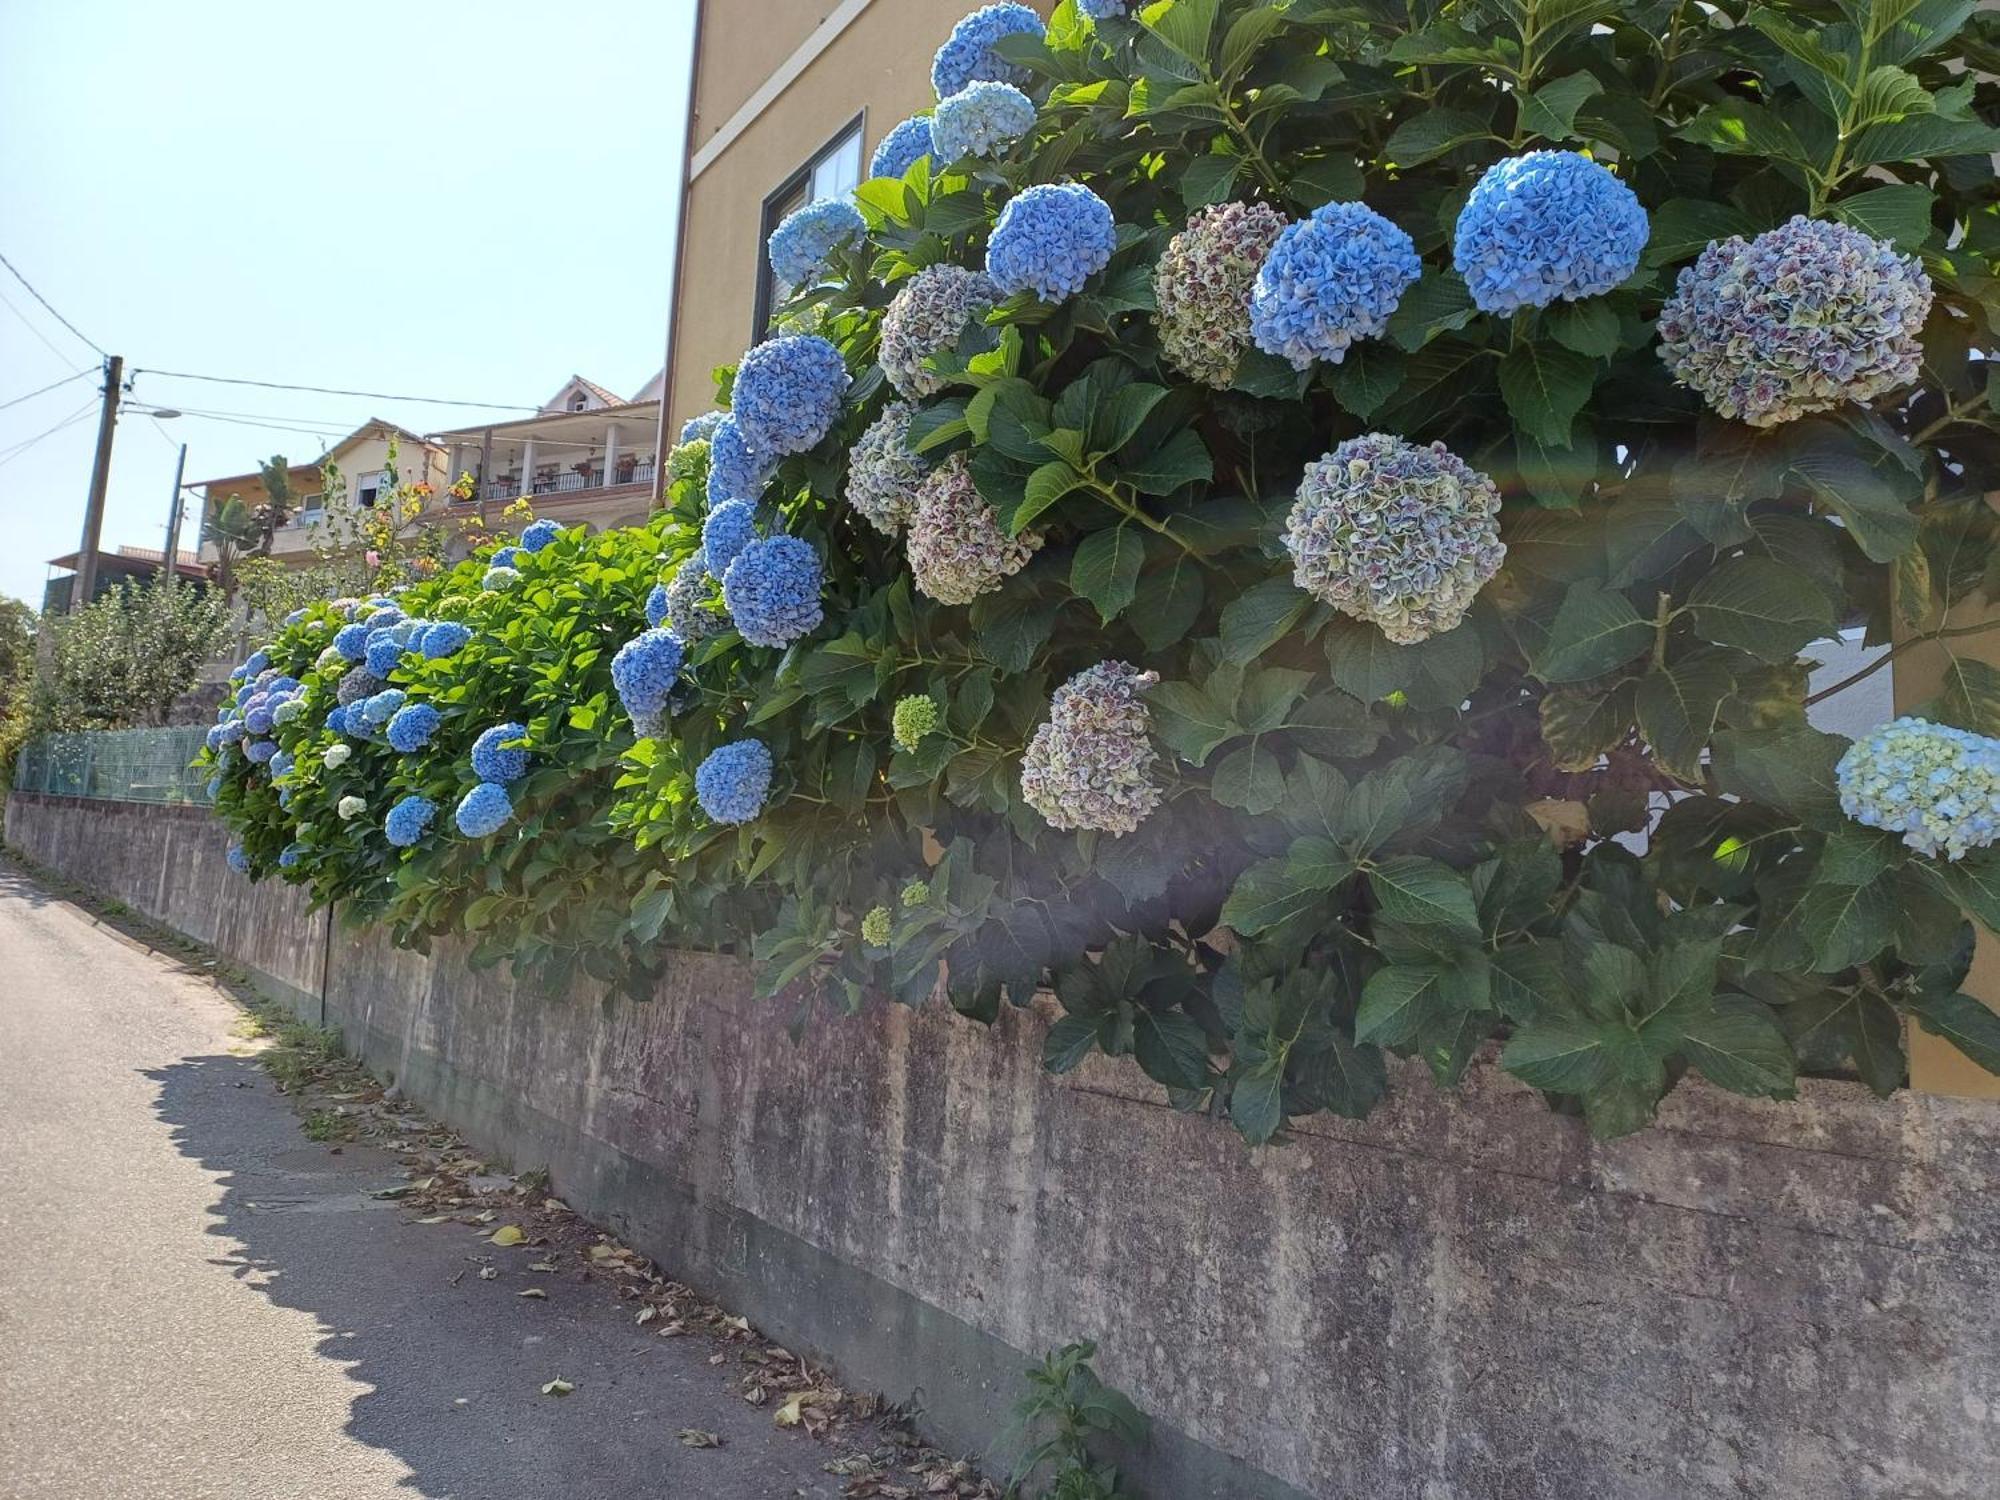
(1463, 1298)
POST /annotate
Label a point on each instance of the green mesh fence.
(119, 765)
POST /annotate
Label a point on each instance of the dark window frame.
(770, 215)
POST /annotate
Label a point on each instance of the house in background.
(588, 456)
(126, 565)
(780, 112)
(362, 458)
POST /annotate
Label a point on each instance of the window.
(579, 401)
(833, 171)
(312, 509)
(368, 488)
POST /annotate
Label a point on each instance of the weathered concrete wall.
(1460, 1299)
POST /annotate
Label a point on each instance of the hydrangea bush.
(1447, 701)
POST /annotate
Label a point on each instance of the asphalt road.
(197, 1303)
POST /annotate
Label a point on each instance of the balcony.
(576, 480)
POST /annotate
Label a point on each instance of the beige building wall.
(878, 67)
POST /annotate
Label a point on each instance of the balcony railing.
(571, 481)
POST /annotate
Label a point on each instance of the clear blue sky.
(438, 198)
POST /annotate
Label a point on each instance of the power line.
(327, 390)
(69, 421)
(44, 390)
(102, 351)
(8, 303)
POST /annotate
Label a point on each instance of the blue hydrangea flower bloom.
(384, 651)
(968, 56)
(260, 751)
(1050, 240)
(258, 661)
(734, 471)
(229, 731)
(295, 616)
(644, 671)
(257, 716)
(656, 606)
(238, 860)
(772, 591)
(386, 618)
(982, 119)
(728, 530)
(373, 712)
(351, 641)
(902, 148)
(733, 782)
(504, 557)
(285, 798)
(291, 855)
(1330, 279)
(1546, 225)
(336, 720)
(702, 428)
(214, 785)
(803, 244)
(788, 393)
(213, 739)
(492, 762)
(497, 579)
(538, 535)
(411, 727)
(282, 762)
(287, 709)
(446, 638)
(408, 819)
(285, 685)
(1939, 787)
(1102, 10)
(245, 693)
(484, 810)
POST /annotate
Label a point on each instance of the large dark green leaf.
(1864, 499)
(1106, 569)
(1563, 1055)
(1676, 708)
(1410, 888)
(1170, 1047)
(1760, 606)
(1740, 1047)
(1594, 631)
(1545, 386)
(1966, 1024)
(1439, 672)
(1789, 769)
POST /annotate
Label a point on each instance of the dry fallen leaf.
(488, 1273)
(694, 1437)
(507, 1234)
(557, 1387)
(542, 1265)
(646, 1315)
(534, 1291)
(788, 1414)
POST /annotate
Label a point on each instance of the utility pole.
(100, 476)
(174, 508)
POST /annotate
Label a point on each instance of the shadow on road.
(448, 1366)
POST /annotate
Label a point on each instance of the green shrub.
(1361, 829)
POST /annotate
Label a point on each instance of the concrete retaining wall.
(1463, 1298)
